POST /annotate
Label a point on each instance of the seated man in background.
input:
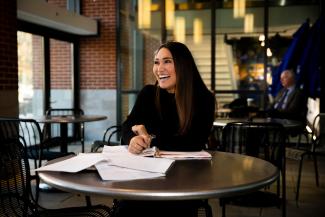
(290, 102)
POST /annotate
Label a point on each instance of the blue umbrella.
(291, 57)
(308, 70)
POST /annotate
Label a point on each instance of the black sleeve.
(139, 114)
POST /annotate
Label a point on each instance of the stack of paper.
(116, 164)
(176, 155)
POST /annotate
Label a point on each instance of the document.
(120, 156)
(115, 173)
(155, 152)
(114, 163)
(176, 155)
(117, 163)
(75, 164)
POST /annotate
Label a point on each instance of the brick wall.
(38, 62)
(97, 53)
(60, 64)
(150, 46)
(8, 59)
(8, 46)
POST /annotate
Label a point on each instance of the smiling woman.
(178, 110)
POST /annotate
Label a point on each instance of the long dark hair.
(188, 81)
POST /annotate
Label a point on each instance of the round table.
(226, 174)
(287, 124)
(63, 120)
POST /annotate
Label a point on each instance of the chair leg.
(82, 146)
(88, 201)
(299, 141)
(284, 192)
(223, 208)
(207, 208)
(316, 169)
(37, 190)
(299, 179)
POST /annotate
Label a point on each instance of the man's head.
(288, 78)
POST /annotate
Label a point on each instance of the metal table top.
(70, 118)
(226, 174)
(288, 124)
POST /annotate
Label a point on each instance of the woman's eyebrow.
(165, 58)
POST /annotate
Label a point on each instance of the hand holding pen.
(141, 141)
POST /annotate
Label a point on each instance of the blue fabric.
(308, 69)
(291, 57)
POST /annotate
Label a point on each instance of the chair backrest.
(262, 140)
(64, 111)
(23, 129)
(112, 135)
(16, 199)
(75, 130)
(318, 131)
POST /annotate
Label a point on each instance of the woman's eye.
(156, 62)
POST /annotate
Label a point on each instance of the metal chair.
(317, 149)
(112, 132)
(37, 149)
(16, 197)
(262, 140)
(76, 131)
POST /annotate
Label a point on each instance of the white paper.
(115, 150)
(113, 156)
(131, 161)
(183, 155)
(120, 156)
(75, 164)
(176, 155)
(115, 173)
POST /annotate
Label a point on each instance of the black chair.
(16, 196)
(262, 140)
(76, 131)
(111, 137)
(316, 149)
(37, 148)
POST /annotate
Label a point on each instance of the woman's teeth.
(163, 77)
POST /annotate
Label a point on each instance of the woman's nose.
(160, 67)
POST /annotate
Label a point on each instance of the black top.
(166, 126)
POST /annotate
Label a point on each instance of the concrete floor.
(310, 203)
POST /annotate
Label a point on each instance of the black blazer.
(296, 106)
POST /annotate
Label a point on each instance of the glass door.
(30, 74)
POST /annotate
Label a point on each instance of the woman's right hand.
(139, 143)
(139, 129)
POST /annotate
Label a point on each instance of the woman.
(178, 110)
(176, 113)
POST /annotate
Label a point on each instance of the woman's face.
(164, 70)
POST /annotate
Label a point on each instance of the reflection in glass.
(30, 74)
